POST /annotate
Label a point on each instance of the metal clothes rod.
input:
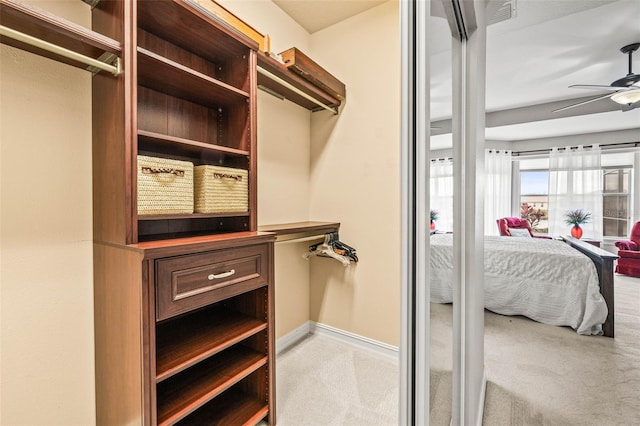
(50, 47)
(296, 90)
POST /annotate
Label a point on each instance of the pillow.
(519, 232)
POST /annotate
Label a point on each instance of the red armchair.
(629, 253)
(506, 224)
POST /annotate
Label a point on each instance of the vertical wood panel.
(118, 321)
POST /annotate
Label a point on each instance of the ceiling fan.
(624, 91)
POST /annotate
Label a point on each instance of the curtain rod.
(602, 147)
(50, 47)
(295, 89)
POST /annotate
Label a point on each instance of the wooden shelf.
(152, 141)
(184, 393)
(281, 71)
(231, 408)
(183, 342)
(191, 216)
(163, 75)
(193, 28)
(300, 230)
(53, 29)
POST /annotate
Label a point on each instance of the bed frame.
(604, 265)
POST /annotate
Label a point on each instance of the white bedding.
(545, 280)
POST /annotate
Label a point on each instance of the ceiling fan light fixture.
(626, 97)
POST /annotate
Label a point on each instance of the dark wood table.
(604, 265)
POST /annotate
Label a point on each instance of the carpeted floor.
(543, 375)
(323, 381)
(536, 374)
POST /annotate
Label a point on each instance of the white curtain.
(575, 182)
(441, 195)
(497, 197)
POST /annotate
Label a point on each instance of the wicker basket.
(164, 186)
(220, 189)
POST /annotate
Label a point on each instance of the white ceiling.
(531, 59)
(315, 15)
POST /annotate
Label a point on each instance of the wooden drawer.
(184, 283)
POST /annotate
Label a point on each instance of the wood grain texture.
(121, 366)
(233, 408)
(301, 64)
(294, 79)
(251, 138)
(270, 381)
(184, 393)
(185, 283)
(209, 332)
(188, 92)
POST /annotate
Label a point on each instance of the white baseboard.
(355, 339)
(293, 337)
(312, 327)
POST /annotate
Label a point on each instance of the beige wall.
(283, 165)
(46, 299)
(355, 175)
(351, 174)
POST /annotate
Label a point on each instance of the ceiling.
(532, 58)
(315, 15)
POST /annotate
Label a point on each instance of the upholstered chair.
(629, 252)
(516, 227)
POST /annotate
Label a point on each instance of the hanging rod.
(296, 90)
(70, 54)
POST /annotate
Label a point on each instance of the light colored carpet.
(324, 381)
(544, 375)
(536, 374)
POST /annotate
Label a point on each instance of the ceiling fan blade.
(582, 103)
(595, 86)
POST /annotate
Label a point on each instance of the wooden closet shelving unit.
(183, 302)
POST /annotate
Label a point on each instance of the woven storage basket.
(164, 186)
(220, 189)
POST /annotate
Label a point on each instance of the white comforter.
(545, 280)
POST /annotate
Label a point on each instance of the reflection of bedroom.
(337, 322)
(538, 166)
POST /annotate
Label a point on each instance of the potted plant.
(433, 214)
(576, 218)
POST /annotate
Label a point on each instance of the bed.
(545, 280)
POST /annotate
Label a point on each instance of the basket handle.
(156, 170)
(218, 175)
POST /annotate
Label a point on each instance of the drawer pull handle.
(222, 275)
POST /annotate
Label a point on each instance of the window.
(615, 201)
(534, 199)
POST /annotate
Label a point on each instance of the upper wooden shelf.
(300, 230)
(45, 26)
(166, 76)
(188, 25)
(281, 71)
